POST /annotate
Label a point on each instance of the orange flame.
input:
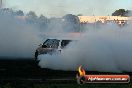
(81, 71)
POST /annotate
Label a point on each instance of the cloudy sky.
(61, 7)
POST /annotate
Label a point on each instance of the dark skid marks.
(28, 70)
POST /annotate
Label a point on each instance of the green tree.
(121, 12)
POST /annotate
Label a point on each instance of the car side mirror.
(44, 46)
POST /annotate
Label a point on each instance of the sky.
(53, 8)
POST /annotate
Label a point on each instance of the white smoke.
(107, 49)
(17, 39)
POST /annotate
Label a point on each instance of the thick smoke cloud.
(107, 49)
(17, 39)
(59, 8)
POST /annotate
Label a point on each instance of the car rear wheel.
(36, 55)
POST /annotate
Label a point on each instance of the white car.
(51, 46)
(56, 44)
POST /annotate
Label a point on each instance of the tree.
(121, 12)
(42, 18)
(7, 11)
(32, 17)
(42, 22)
(32, 14)
(71, 18)
(71, 23)
(19, 13)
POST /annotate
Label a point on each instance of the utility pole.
(1, 2)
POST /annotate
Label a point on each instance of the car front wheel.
(36, 54)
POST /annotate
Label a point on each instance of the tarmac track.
(27, 70)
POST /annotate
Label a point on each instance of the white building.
(104, 19)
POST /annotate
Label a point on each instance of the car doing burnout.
(56, 45)
(51, 46)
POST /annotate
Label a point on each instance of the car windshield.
(64, 43)
(51, 43)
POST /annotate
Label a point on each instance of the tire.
(36, 55)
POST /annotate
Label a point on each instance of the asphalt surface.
(28, 70)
